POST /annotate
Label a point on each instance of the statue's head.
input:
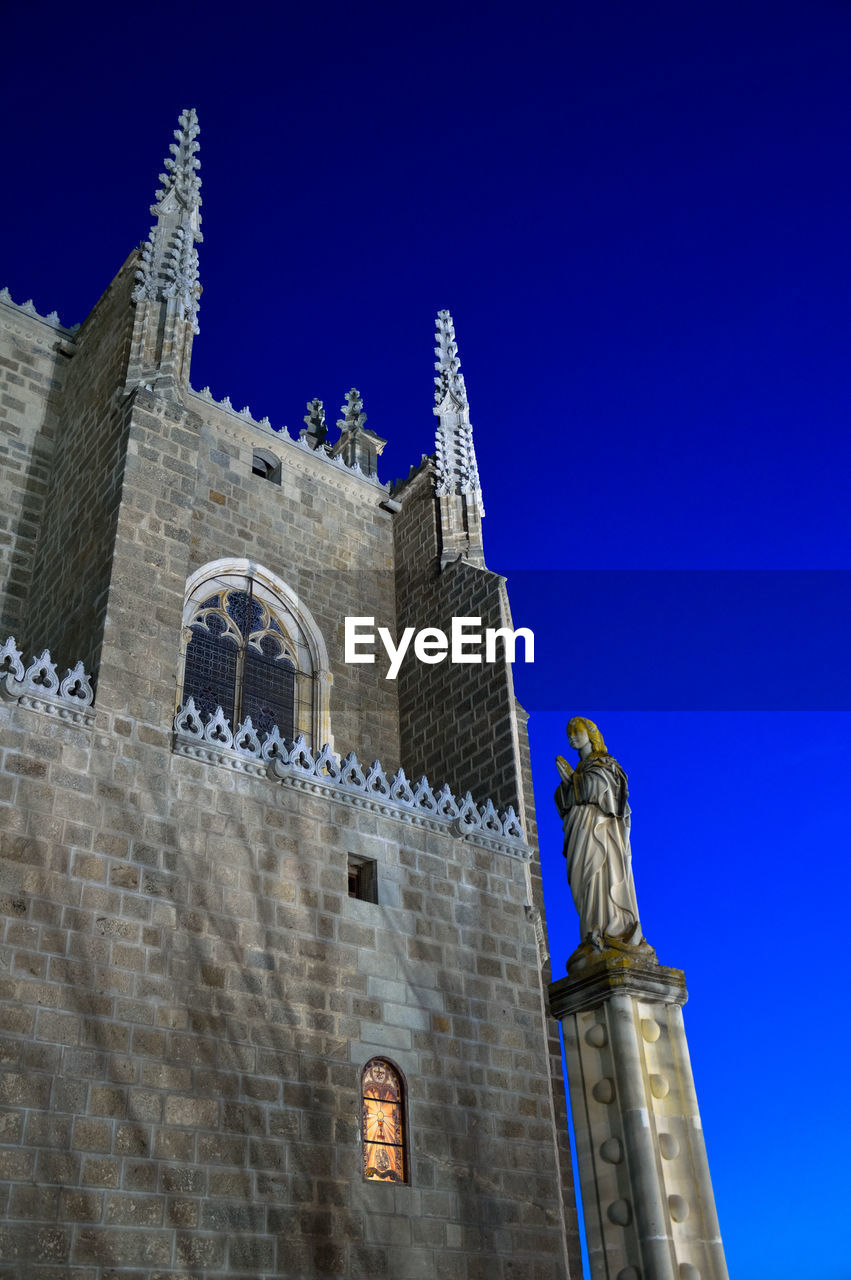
(595, 737)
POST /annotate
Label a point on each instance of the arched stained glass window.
(240, 658)
(252, 648)
(383, 1123)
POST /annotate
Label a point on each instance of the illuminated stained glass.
(383, 1135)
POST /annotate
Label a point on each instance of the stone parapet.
(281, 434)
(39, 688)
(335, 777)
(28, 308)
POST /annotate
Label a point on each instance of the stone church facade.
(273, 956)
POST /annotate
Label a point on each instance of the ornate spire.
(182, 166)
(354, 418)
(457, 472)
(169, 261)
(450, 379)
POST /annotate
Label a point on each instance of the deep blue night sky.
(639, 217)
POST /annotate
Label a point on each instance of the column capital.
(628, 971)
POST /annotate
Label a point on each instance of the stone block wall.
(73, 557)
(457, 720)
(188, 992)
(189, 996)
(31, 376)
(463, 723)
(323, 531)
(189, 498)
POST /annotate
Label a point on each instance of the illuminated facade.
(277, 963)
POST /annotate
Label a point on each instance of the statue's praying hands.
(565, 770)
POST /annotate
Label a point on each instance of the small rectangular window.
(363, 880)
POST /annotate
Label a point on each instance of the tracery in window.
(382, 1123)
(241, 659)
(252, 648)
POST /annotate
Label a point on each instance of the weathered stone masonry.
(188, 992)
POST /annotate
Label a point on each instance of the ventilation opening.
(363, 879)
(266, 465)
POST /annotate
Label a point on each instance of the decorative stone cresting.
(325, 773)
(28, 308)
(39, 688)
(304, 440)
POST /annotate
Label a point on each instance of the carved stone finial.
(450, 379)
(168, 267)
(358, 447)
(316, 428)
(354, 418)
(182, 165)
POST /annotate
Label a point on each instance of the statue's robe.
(595, 813)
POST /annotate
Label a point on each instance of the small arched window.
(383, 1123)
(265, 464)
(252, 649)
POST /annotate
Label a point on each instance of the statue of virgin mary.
(592, 801)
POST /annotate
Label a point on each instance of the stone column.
(648, 1202)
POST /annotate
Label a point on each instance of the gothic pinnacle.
(353, 415)
(314, 419)
(182, 166)
(456, 469)
(168, 259)
(450, 378)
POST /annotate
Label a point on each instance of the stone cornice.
(16, 311)
(619, 973)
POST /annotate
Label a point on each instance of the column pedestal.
(648, 1202)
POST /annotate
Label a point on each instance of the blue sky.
(638, 215)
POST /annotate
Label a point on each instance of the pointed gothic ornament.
(457, 469)
(456, 480)
(315, 428)
(354, 418)
(169, 260)
(358, 447)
